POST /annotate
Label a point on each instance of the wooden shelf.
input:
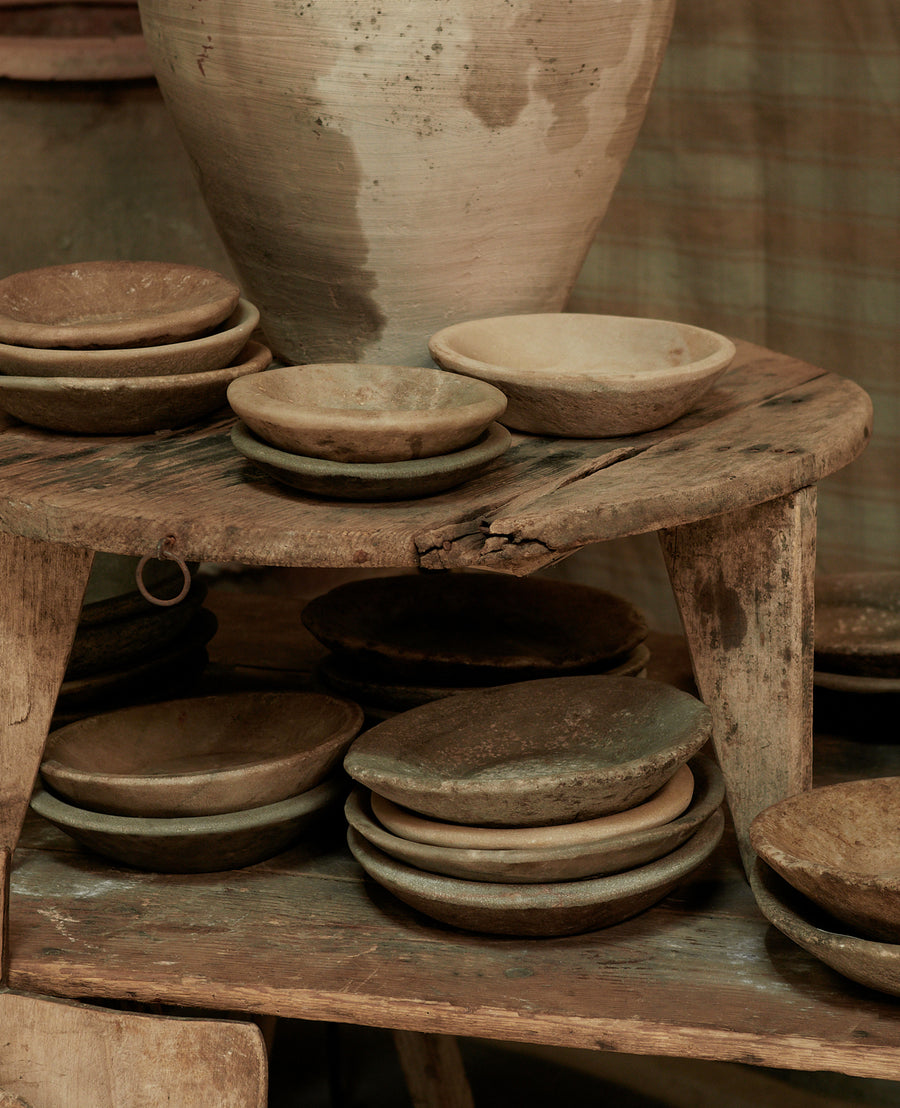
(305, 935)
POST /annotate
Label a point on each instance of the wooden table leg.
(433, 1068)
(43, 585)
(744, 583)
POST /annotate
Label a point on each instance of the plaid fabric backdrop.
(762, 200)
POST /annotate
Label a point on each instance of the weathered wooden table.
(730, 488)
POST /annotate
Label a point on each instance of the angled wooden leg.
(744, 585)
(433, 1069)
(43, 585)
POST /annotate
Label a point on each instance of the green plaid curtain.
(762, 200)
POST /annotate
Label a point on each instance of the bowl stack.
(127, 650)
(122, 347)
(196, 786)
(828, 876)
(400, 641)
(368, 432)
(857, 644)
(550, 807)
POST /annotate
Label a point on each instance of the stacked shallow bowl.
(400, 641)
(551, 807)
(857, 644)
(122, 347)
(368, 432)
(828, 876)
(198, 785)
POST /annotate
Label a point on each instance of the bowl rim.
(442, 351)
(65, 815)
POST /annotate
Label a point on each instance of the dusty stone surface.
(200, 355)
(472, 628)
(840, 846)
(556, 908)
(201, 756)
(587, 376)
(365, 413)
(539, 752)
(527, 865)
(125, 405)
(113, 304)
(858, 624)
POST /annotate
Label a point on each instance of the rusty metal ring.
(164, 551)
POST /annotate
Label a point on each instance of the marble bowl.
(198, 355)
(126, 405)
(840, 846)
(550, 751)
(586, 376)
(112, 304)
(858, 624)
(665, 804)
(193, 844)
(408, 480)
(365, 413)
(201, 756)
(561, 862)
(866, 961)
(465, 629)
(542, 909)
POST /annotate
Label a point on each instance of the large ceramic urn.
(378, 170)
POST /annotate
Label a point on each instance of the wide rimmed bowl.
(568, 862)
(586, 376)
(866, 961)
(198, 355)
(554, 750)
(112, 304)
(408, 480)
(858, 624)
(365, 413)
(473, 628)
(544, 909)
(193, 844)
(344, 677)
(126, 405)
(840, 846)
(201, 756)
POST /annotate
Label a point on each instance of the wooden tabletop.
(306, 935)
(771, 425)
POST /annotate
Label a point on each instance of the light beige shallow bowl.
(365, 413)
(556, 908)
(113, 303)
(126, 405)
(213, 351)
(586, 376)
(664, 805)
(561, 862)
(201, 756)
(840, 846)
(876, 964)
(193, 844)
(555, 750)
(858, 624)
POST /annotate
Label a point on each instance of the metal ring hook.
(164, 550)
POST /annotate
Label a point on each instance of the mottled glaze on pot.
(378, 173)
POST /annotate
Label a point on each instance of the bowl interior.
(851, 830)
(576, 345)
(367, 389)
(175, 743)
